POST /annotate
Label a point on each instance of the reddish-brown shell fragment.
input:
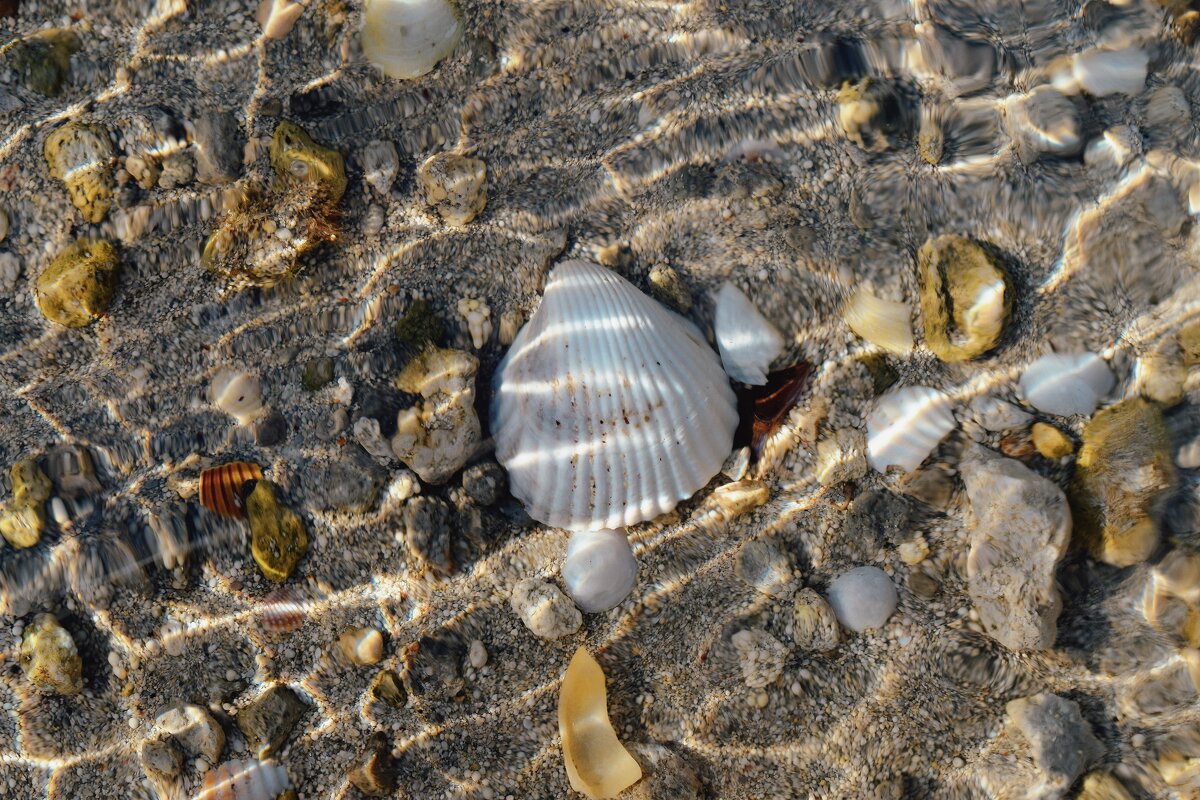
(221, 487)
(764, 408)
(283, 611)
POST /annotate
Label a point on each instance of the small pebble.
(863, 598)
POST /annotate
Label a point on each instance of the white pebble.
(600, 569)
(863, 598)
(1067, 383)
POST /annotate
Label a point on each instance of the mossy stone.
(297, 159)
(278, 539)
(317, 373)
(43, 61)
(77, 287)
(49, 658)
(1050, 441)
(29, 483)
(1189, 341)
(22, 523)
(419, 327)
(81, 155)
(966, 297)
(268, 720)
(1122, 475)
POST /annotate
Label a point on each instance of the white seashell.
(883, 323)
(1067, 383)
(609, 409)
(600, 569)
(277, 17)
(747, 340)
(245, 780)
(905, 425)
(1104, 72)
(237, 393)
(863, 598)
(407, 38)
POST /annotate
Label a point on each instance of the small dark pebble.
(9, 8)
(219, 144)
(381, 406)
(270, 429)
(317, 373)
(427, 532)
(922, 585)
(331, 425)
(484, 483)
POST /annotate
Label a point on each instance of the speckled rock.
(427, 533)
(49, 658)
(544, 609)
(814, 625)
(1122, 475)
(842, 456)
(387, 686)
(965, 297)
(668, 288)
(380, 165)
(195, 730)
(761, 657)
(81, 156)
(43, 60)
(268, 719)
(764, 566)
(70, 468)
(278, 539)
(455, 186)
(298, 161)
(77, 286)
(219, 142)
(1020, 525)
(438, 436)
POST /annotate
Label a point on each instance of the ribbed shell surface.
(221, 487)
(609, 409)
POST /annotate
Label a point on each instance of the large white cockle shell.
(1067, 383)
(905, 425)
(407, 38)
(609, 409)
(747, 340)
(600, 569)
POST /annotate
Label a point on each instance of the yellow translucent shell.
(597, 763)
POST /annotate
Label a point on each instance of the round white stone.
(863, 598)
(600, 569)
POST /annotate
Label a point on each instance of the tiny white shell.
(407, 38)
(237, 393)
(245, 780)
(747, 340)
(884, 323)
(905, 425)
(609, 409)
(600, 569)
(1104, 72)
(1067, 383)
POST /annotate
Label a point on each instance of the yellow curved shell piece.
(598, 765)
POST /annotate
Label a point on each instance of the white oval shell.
(1067, 383)
(407, 38)
(905, 425)
(600, 569)
(747, 340)
(609, 409)
(245, 780)
(237, 393)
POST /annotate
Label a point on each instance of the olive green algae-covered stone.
(43, 61)
(297, 159)
(268, 720)
(81, 156)
(49, 657)
(278, 539)
(78, 285)
(29, 483)
(22, 524)
(1122, 474)
(965, 298)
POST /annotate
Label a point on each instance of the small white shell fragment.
(747, 340)
(250, 779)
(1102, 72)
(883, 323)
(277, 17)
(407, 38)
(995, 415)
(863, 598)
(1066, 383)
(237, 393)
(380, 164)
(544, 609)
(905, 426)
(477, 655)
(600, 569)
(608, 409)
(479, 320)
(597, 764)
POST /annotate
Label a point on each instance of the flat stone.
(268, 720)
(219, 143)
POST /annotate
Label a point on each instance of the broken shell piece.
(598, 765)
(747, 340)
(407, 38)
(600, 569)
(883, 323)
(1066, 383)
(237, 393)
(221, 487)
(245, 780)
(277, 17)
(906, 425)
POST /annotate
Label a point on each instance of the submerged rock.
(195, 730)
(278, 539)
(1059, 741)
(814, 625)
(427, 533)
(219, 142)
(269, 718)
(81, 156)
(436, 437)
(77, 287)
(298, 161)
(1020, 525)
(455, 186)
(23, 521)
(761, 657)
(362, 647)
(374, 772)
(863, 598)
(43, 60)
(1066, 383)
(1050, 441)
(544, 609)
(965, 297)
(49, 658)
(1122, 475)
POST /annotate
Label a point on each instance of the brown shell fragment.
(284, 611)
(221, 487)
(765, 407)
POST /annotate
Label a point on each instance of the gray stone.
(427, 532)
(1020, 524)
(268, 720)
(863, 598)
(270, 429)
(160, 758)
(219, 143)
(544, 609)
(1060, 741)
(349, 483)
(762, 565)
(484, 483)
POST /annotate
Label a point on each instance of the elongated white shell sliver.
(609, 409)
(747, 340)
